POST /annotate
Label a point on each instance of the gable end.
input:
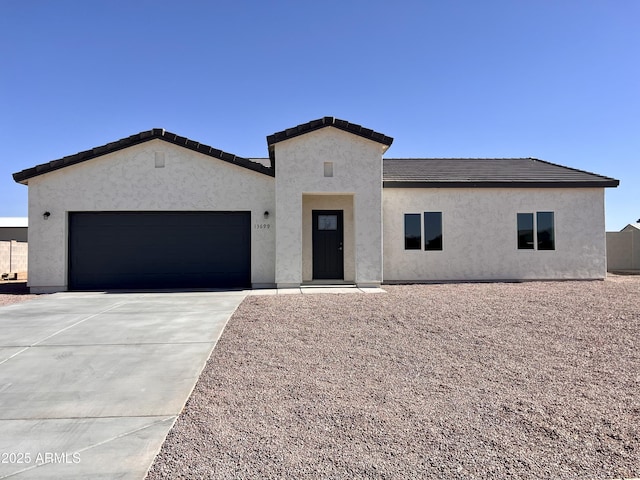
(314, 125)
(156, 133)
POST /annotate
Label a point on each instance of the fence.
(623, 250)
(13, 257)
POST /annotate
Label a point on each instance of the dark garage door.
(138, 250)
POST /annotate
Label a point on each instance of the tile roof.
(486, 172)
(156, 133)
(400, 173)
(325, 122)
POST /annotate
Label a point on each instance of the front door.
(328, 258)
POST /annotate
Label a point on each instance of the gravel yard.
(530, 380)
(14, 292)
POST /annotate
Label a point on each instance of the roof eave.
(314, 125)
(490, 184)
(324, 122)
(156, 133)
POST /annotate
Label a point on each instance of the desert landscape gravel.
(14, 292)
(502, 380)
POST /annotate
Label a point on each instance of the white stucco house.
(159, 210)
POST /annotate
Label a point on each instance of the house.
(623, 249)
(159, 210)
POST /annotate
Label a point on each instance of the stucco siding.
(480, 234)
(357, 168)
(128, 180)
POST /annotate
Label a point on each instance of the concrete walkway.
(315, 289)
(91, 383)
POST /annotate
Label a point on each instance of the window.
(433, 230)
(412, 237)
(328, 169)
(525, 231)
(546, 234)
(327, 222)
(543, 228)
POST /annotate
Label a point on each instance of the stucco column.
(288, 240)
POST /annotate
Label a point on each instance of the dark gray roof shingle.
(156, 133)
(486, 172)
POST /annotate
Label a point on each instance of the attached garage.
(140, 250)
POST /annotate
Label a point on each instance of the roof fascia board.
(593, 184)
(329, 122)
(324, 122)
(142, 137)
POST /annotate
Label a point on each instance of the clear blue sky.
(557, 80)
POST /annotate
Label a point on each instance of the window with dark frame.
(412, 231)
(433, 230)
(525, 231)
(427, 224)
(538, 236)
(545, 231)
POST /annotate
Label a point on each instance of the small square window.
(328, 169)
(327, 222)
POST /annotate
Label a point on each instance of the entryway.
(328, 244)
(328, 249)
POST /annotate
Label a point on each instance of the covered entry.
(136, 250)
(328, 238)
(328, 245)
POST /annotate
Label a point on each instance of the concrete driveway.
(91, 383)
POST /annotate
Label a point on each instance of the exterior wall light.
(266, 214)
(46, 215)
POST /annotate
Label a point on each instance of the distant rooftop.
(8, 222)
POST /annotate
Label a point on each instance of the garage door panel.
(110, 250)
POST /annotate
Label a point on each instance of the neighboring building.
(13, 248)
(159, 210)
(623, 249)
(13, 228)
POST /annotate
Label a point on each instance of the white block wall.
(13, 257)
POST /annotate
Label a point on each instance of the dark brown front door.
(328, 239)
